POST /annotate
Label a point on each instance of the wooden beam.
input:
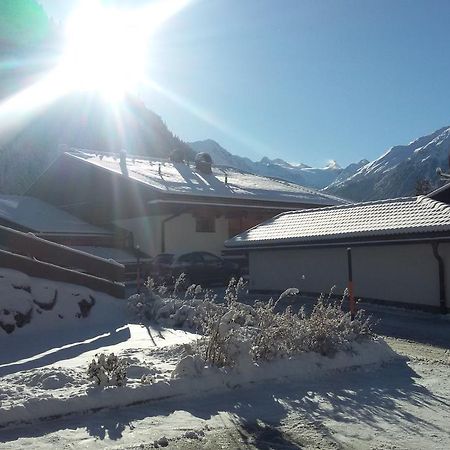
(52, 272)
(28, 244)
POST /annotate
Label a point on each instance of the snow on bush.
(327, 330)
(174, 310)
(234, 333)
(107, 370)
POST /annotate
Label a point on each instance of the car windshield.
(164, 258)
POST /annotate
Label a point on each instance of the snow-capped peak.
(333, 165)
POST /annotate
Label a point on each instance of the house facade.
(169, 206)
(400, 251)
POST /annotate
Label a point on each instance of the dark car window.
(209, 258)
(164, 258)
(190, 258)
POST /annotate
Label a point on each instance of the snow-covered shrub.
(181, 284)
(189, 365)
(234, 289)
(228, 333)
(142, 306)
(242, 332)
(171, 309)
(326, 330)
(235, 333)
(329, 328)
(194, 291)
(107, 370)
(225, 327)
(291, 292)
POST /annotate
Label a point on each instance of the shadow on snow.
(353, 397)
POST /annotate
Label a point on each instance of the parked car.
(200, 268)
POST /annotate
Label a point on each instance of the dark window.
(211, 259)
(190, 258)
(205, 225)
(163, 258)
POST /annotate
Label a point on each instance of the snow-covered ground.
(368, 400)
(403, 405)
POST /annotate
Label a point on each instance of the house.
(28, 214)
(400, 251)
(169, 206)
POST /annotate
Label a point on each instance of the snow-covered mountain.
(397, 172)
(394, 174)
(317, 178)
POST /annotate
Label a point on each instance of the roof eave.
(346, 242)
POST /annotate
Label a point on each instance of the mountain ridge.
(396, 173)
(300, 173)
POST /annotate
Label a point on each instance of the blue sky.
(304, 80)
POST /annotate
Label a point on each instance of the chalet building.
(169, 206)
(31, 215)
(400, 250)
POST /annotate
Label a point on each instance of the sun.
(106, 50)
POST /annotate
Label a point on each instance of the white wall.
(146, 231)
(402, 273)
(180, 234)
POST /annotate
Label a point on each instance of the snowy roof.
(181, 179)
(401, 216)
(36, 215)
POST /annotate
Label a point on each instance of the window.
(205, 225)
(211, 259)
(163, 258)
(190, 258)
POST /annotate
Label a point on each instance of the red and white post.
(351, 296)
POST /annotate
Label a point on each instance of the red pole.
(138, 271)
(350, 284)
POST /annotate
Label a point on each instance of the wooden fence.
(44, 259)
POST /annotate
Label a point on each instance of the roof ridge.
(352, 205)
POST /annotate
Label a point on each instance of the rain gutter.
(441, 266)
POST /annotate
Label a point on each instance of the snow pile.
(168, 372)
(239, 344)
(23, 299)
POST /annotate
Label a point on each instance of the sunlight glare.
(107, 49)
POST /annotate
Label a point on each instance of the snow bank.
(32, 305)
(51, 392)
(162, 362)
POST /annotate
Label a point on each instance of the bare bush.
(107, 370)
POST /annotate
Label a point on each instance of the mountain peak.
(333, 165)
